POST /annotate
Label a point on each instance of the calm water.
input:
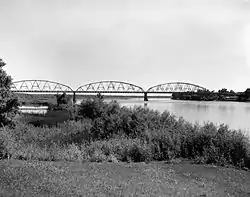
(236, 115)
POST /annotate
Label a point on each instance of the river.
(235, 114)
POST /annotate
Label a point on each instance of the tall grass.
(108, 132)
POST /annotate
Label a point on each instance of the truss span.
(175, 87)
(110, 87)
(39, 86)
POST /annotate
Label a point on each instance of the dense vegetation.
(100, 132)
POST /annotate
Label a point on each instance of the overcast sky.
(206, 42)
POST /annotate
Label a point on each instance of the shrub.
(92, 108)
(72, 132)
(122, 149)
(135, 150)
(165, 145)
(31, 152)
(220, 146)
(66, 133)
(70, 152)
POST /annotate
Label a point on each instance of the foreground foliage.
(8, 101)
(108, 132)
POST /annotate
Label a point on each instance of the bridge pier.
(74, 97)
(145, 96)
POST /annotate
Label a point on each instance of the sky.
(205, 42)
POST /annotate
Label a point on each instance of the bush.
(120, 148)
(71, 152)
(165, 145)
(221, 146)
(136, 150)
(66, 133)
(31, 152)
(110, 119)
(92, 108)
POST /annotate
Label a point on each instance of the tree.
(62, 99)
(8, 101)
(223, 90)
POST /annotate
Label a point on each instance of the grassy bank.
(36, 178)
(108, 132)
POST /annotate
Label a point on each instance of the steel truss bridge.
(111, 88)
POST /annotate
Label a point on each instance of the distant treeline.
(206, 95)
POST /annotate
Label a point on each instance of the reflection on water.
(248, 108)
(33, 110)
(235, 114)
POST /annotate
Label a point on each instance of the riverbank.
(36, 178)
(101, 133)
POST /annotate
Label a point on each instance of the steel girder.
(45, 86)
(110, 87)
(39, 86)
(175, 87)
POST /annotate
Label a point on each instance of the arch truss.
(175, 87)
(110, 87)
(39, 86)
